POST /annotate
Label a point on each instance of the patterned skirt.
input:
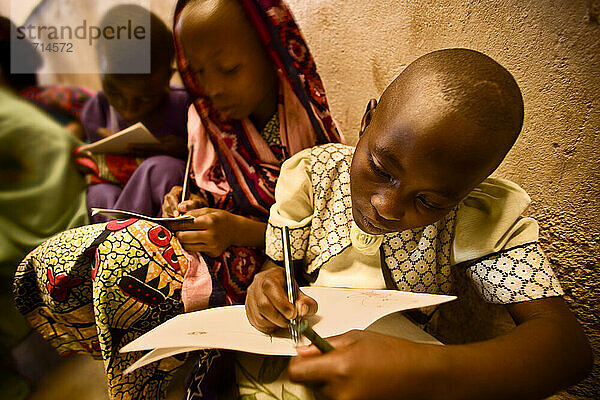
(96, 288)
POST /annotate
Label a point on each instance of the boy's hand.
(267, 305)
(211, 232)
(368, 365)
(172, 207)
(104, 132)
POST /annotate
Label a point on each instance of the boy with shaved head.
(408, 209)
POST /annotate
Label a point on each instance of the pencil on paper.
(186, 178)
(292, 289)
(322, 344)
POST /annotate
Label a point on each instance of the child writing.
(128, 98)
(258, 100)
(406, 209)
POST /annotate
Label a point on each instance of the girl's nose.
(213, 88)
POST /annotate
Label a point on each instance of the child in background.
(41, 194)
(411, 208)
(128, 98)
(258, 100)
(63, 103)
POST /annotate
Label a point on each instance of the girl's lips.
(225, 111)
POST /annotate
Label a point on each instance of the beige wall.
(553, 50)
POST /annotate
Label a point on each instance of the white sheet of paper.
(118, 142)
(340, 310)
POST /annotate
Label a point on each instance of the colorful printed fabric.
(132, 269)
(106, 168)
(66, 101)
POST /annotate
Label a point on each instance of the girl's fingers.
(171, 201)
(188, 205)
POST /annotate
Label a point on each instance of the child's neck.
(155, 120)
(265, 111)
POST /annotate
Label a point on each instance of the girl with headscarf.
(258, 100)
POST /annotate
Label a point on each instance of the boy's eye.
(377, 169)
(427, 204)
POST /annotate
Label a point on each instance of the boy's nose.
(129, 110)
(388, 206)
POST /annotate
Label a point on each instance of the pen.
(186, 177)
(290, 281)
(314, 338)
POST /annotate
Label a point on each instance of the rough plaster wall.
(552, 49)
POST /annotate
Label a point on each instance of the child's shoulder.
(96, 105)
(328, 154)
(501, 192)
(490, 219)
(332, 153)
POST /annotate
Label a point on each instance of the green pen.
(314, 338)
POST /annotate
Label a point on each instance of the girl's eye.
(230, 70)
(377, 169)
(197, 72)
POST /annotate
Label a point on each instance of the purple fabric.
(96, 115)
(145, 190)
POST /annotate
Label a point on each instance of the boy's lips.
(371, 225)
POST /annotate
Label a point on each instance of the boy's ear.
(366, 119)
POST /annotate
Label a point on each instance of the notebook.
(118, 143)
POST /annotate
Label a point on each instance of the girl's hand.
(369, 365)
(267, 305)
(172, 207)
(171, 201)
(211, 232)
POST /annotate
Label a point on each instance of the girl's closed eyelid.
(230, 70)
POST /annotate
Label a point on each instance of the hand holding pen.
(180, 200)
(290, 280)
(298, 326)
(267, 303)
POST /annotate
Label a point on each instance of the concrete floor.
(73, 378)
(81, 377)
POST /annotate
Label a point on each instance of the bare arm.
(545, 353)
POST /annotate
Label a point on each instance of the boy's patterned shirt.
(420, 259)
